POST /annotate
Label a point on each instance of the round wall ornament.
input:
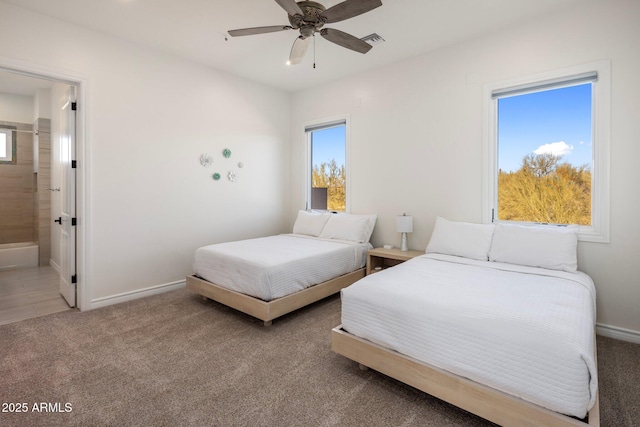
(206, 160)
(226, 153)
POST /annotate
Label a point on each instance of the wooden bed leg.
(362, 367)
(267, 323)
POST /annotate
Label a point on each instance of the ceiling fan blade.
(345, 40)
(258, 30)
(298, 50)
(290, 6)
(348, 9)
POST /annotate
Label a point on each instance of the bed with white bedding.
(512, 343)
(271, 276)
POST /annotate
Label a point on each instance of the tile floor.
(29, 292)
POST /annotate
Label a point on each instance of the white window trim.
(308, 167)
(599, 231)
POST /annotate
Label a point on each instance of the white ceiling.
(196, 29)
(17, 84)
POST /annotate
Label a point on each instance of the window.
(3, 146)
(7, 147)
(547, 150)
(327, 187)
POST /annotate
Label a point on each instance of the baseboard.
(141, 293)
(55, 266)
(618, 333)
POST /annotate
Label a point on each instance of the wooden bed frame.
(269, 310)
(484, 401)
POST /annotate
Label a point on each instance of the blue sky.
(557, 121)
(329, 144)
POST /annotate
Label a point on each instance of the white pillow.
(549, 247)
(461, 239)
(310, 223)
(355, 228)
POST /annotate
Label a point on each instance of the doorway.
(54, 167)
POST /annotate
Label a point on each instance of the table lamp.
(404, 225)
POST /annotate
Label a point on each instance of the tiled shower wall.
(17, 191)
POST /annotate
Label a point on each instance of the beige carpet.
(174, 359)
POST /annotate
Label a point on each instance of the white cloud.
(559, 148)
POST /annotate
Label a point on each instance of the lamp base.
(403, 243)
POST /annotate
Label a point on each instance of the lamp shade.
(404, 224)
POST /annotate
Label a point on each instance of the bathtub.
(23, 254)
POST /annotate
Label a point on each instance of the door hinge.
(74, 164)
(73, 221)
(74, 106)
(74, 278)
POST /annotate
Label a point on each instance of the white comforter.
(275, 266)
(526, 331)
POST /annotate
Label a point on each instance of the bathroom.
(25, 172)
(36, 276)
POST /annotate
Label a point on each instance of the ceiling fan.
(309, 17)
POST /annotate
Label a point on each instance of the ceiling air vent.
(372, 39)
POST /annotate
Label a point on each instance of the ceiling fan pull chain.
(314, 51)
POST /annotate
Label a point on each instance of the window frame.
(319, 125)
(599, 230)
(11, 146)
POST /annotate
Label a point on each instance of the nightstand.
(380, 258)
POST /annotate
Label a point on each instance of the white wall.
(42, 104)
(416, 134)
(149, 117)
(16, 108)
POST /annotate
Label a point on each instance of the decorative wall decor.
(206, 160)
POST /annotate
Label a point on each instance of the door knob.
(59, 220)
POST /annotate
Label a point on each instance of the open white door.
(67, 219)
